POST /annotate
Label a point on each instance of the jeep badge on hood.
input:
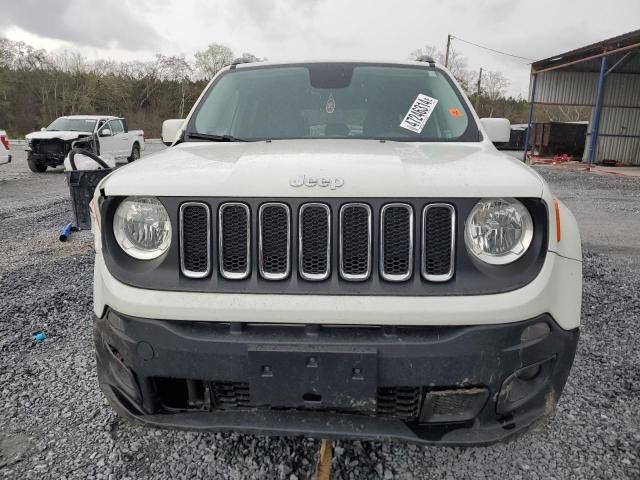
(303, 180)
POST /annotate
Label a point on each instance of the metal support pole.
(528, 133)
(446, 55)
(593, 140)
(478, 90)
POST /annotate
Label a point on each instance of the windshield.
(334, 100)
(72, 124)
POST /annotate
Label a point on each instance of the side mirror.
(105, 132)
(497, 129)
(43, 129)
(170, 130)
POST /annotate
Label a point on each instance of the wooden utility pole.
(478, 90)
(446, 55)
(323, 465)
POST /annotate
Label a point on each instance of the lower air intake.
(230, 395)
(399, 402)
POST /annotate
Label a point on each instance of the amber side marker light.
(557, 207)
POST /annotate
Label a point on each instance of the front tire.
(34, 165)
(135, 153)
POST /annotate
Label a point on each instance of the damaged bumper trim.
(462, 385)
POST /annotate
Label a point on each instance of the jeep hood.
(58, 135)
(365, 168)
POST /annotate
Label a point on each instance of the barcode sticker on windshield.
(417, 116)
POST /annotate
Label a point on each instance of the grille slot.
(438, 242)
(314, 256)
(399, 402)
(396, 242)
(275, 241)
(234, 243)
(195, 239)
(355, 241)
(230, 395)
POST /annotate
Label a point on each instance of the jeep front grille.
(355, 241)
(195, 238)
(315, 241)
(274, 242)
(352, 241)
(438, 242)
(234, 246)
(396, 242)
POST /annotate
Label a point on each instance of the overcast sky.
(298, 29)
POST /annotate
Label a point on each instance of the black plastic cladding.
(470, 277)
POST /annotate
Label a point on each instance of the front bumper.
(452, 385)
(49, 159)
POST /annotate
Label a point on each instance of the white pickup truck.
(335, 249)
(50, 146)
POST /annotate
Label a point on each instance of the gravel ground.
(55, 423)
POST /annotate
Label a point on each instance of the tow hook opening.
(524, 384)
(122, 375)
(312, 398)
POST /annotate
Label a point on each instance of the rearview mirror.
(170, 130)
(105, 132)
(497, 129)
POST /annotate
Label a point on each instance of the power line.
(493, 50)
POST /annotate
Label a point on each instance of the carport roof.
(587, 58)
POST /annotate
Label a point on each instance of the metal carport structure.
(605, 76)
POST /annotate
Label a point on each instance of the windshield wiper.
(215, 138)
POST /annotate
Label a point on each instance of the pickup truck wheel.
(135, 153)
(34, 165)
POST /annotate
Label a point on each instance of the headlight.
(142, 227)
(498, 230)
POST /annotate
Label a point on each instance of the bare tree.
(494, 86)
(176, 69)
(212, 59)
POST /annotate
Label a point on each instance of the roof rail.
(426, 59)
(240, 60)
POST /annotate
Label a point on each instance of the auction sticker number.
(417, 116)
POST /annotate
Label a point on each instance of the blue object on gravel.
(39, 336)
(66, 231)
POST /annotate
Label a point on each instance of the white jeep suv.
(335, 249)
